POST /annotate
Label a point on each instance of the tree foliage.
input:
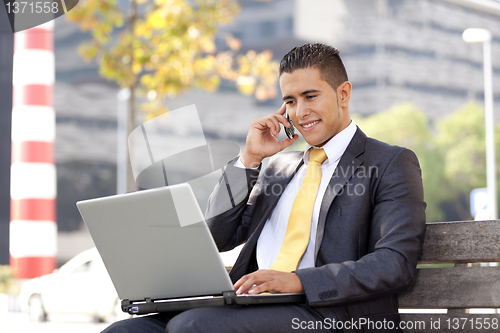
(452, 153)
(461, 138)
(160, 48)
(167, 46)
(407, 126)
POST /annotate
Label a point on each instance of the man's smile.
(310, 124)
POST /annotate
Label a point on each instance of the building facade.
(395, 51)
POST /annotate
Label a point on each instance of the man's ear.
(344, 93)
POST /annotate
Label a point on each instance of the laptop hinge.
(148, 300)
(125, 304)
(229, 297)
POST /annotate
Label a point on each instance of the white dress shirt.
(273, 233)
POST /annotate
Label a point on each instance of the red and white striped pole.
(33, 228)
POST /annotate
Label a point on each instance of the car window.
(97, 266)
(82, 268)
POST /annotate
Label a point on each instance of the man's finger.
(244, 288)
(288, 142)
(282, 109)
(283, 120)
(261, 288)
(247, 282)
(248, 285)
(244, 284)
(274, 125)
(242, 280)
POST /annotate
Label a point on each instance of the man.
(342, 221)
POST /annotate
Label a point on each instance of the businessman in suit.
(342, 221)
(369, 215)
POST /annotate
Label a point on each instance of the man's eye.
(310, 96)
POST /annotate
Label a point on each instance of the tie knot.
(317, 155)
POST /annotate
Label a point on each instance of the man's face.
(318, 111)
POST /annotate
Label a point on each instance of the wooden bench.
(464, 285)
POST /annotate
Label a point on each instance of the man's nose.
(302, 111)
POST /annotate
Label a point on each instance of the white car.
(81, 286)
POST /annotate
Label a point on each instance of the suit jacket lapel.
(346, 168)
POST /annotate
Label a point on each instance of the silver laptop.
(160, 254)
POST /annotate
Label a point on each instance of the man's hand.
(270, 281)
(262, 139)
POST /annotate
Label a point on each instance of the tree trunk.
(131, 185)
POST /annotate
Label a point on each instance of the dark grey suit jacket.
(370, 228)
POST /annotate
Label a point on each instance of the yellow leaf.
(246, 84)
(136, 67)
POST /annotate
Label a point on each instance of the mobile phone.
(289, 131)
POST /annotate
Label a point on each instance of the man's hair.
(321, 56)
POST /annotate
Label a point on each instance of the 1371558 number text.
(32, 7)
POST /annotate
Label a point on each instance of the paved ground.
(16, 322)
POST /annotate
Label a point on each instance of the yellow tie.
(299, 224)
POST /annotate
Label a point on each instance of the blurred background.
(416, 83)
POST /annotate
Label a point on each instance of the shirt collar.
(336, 146)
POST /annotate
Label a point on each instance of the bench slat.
(460, 242)
(456, 287)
